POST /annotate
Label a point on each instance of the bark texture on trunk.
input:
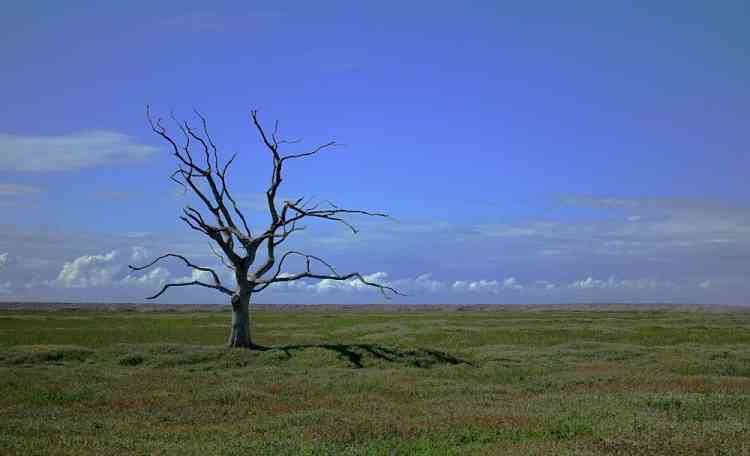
(240, 335)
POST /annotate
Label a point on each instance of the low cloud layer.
(108, 272)
(613, 283)
(630, 251)
(486, 286)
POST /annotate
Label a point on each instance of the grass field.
(511, 382)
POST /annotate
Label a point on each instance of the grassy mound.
(41, 354)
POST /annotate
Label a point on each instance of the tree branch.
(208, 136)
(313, 152)
(211, 173)
(224, 290)
(277, 277)
(220, 257)
(185, 260)
(329, 214)
(306, 275)
(225, 191)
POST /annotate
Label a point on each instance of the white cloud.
(481, 286)
(155, 277)
(138, 255)
(89, 271)
(103, 270)
(328, 285)
(5, 260)
(203, 276)
(545, 284)
(72, 151)
(511, 284)
(291, 286)
(5, 288)
(425, 282)
(612, 283)
(705, 284)
(421, 284)
(486, 286)
(590, 282)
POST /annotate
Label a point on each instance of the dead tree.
(200, 171)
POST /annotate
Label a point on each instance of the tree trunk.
(240, 335)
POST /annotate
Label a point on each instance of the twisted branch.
(216, 285)
(185, 260)
(262, 284)
(226, 291)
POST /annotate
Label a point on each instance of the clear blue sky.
(536, 152)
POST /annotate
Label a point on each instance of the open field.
(510, 380)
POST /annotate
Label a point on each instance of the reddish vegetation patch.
(269, 406)
(594, 369)
(685, 384)
(276, 407)
(497, 421)
(276, 388)
(617, 445)
(717, 443)
(363, 428)
(131, 403)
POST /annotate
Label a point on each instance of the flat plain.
(376, 380)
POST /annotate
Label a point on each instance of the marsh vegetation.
(518, 382)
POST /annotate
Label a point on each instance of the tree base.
(248, 346)
(239, 337)
(240, 344)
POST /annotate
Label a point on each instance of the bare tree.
(200, 171)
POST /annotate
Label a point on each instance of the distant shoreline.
(370, 308)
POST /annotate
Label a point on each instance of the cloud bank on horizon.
(105, 277)
(673, 252)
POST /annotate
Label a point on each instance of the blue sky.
(545, 152)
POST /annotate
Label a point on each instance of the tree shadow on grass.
(358, 354)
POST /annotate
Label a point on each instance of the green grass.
(548, 382)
